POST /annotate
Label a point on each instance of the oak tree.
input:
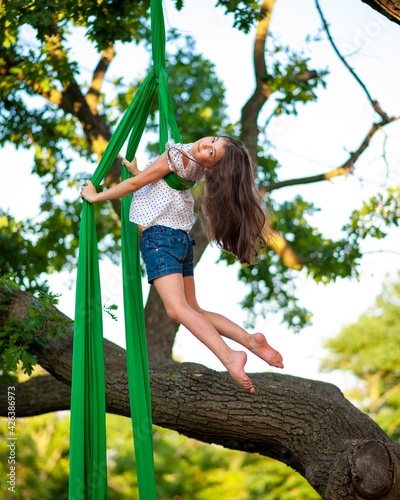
(47, 106)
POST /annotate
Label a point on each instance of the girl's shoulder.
(182, 163)
(176, 153)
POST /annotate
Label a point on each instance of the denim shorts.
(167, 251)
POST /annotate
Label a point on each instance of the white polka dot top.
(157, 204)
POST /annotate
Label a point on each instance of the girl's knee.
(175, 311)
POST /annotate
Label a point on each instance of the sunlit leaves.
(184, 468)
(245, 12)
(291, 78)
(43, 456)
(104, 21)
(197, 93)
(268, 170)
(272, 284)
(375, 216)
(18, 254)
(18, 335)
(273, 291)
(369, 348)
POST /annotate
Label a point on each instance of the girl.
(234, 219)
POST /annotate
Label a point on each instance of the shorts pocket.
(178, 247)
(148, 243)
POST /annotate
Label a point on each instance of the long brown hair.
(234, 218)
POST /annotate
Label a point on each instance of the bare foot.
(236, 370)
(260, 347)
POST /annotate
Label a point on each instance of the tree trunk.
(305, 424)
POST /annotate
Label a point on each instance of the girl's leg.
(172, 293)
(255, 343)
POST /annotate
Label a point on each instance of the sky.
(318, 139)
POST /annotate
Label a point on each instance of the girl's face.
(209, 150)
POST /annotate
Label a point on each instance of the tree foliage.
(185, 468)
(47, 107)
(17, 336)
(368, 349)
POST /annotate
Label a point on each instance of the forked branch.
(349, 165)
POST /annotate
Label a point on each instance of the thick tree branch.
(277, 242)
(287, 419)
(37, 396)
(70, 99)
(85, 108)
(92, 96)
(73, 101)
(262, 90)
(306, 424)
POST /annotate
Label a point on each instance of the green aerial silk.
(88, 463)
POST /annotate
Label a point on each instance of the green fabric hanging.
(88, 463)
(176, 182)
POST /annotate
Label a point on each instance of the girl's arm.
(158, 169)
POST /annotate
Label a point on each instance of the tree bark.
(305, 424)
(262, 91)
(388, 8)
